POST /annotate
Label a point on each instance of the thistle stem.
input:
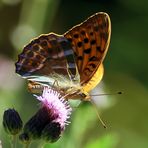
(27, 145)
(41, 145)
(13, 141)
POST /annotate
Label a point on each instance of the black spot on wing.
(80, 58)
(79, 44)
(87, 51)
(92, 65)
(93, 42)
(93, 58)
(86, 40)
(76, 35)
(69, 39)
(99, 49)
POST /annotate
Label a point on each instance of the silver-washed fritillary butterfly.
(73, 59)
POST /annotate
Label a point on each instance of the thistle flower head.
(50, 120)
(57, 105)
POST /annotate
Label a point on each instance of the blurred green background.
(126, 69)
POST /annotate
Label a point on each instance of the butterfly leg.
(70, 75)
(55, 84)
(57, 87)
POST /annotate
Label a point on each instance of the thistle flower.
(12, 122)
(50, 121)
(57, 105)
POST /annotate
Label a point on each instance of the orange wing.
(90, 41)
(97, 77)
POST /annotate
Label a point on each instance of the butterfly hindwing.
(45, 56)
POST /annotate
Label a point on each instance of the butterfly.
(72, 62)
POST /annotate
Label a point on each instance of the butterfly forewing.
(90, 41)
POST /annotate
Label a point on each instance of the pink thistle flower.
(59, 108)
(50, 120)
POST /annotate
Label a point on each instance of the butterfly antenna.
(92, 102)
(118, 93)
(104, 125)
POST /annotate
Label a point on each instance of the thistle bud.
(12, 122)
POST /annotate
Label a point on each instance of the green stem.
(27, 145)
(41, 145)
(13, 141)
